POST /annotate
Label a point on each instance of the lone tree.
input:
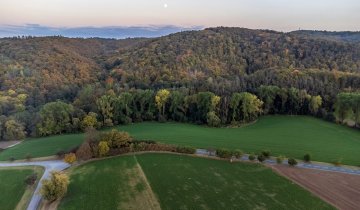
(55, 187)
(307, 158)
(292, 162)
(261, 158)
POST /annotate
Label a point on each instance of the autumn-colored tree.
(14, 130)
(89, 120)
(315, 104)
(84, 152)
(245, 106)
(55, 187)
(116, 139)
(161, 98)
(70, 158)
(103, 148)
(105, 106)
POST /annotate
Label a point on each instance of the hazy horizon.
(38, 17)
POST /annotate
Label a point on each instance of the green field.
(109, 184)
(183, 182)
(42, 147)
(292, 136)
(282, 135)
(12, 185)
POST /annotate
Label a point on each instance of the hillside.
(226, 60)
(53, 68)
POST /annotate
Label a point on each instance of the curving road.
(51, 165)
(321, 167)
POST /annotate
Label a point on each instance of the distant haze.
(82, 17)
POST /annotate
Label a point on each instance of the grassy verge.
(16, 194)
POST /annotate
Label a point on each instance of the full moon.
(165, 5)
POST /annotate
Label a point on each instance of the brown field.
(340, 190)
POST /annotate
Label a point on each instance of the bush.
(338, 162)
(252, 157)
(280, 159)
(60, 154)
(116, 139)
(185, 150)
(307, 158)
(56, 187)
(103, 148)
(266, 153)
(30, 180)
(292, 162)
(12, 159)
(237, 153)
(70, 158)
(261, 158)
(84, 152)
(223, 153)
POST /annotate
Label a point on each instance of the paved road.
(322, 167)
(52, 165)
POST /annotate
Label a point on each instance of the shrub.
(338, 162)
(31, 179)
(12, 159)
(103, 148)
(185, 150)
(252, 157)
(307, 158)
(55, 187)
(292, 162)
(223, 153)
(84, 152)
(28, 157)
(280, 159)
(266, 153)
(116, 139)
(261, 158)
(60, 154)
(70, 158)
(237, 153)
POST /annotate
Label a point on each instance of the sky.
(27, 16)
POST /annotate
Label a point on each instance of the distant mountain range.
(115, 32)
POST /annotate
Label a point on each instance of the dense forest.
(216, 76)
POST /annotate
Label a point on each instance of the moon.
(165, 6)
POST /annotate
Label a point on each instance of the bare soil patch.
(340, 190)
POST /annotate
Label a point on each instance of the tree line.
(93, 109)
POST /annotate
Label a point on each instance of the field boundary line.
(154, 200)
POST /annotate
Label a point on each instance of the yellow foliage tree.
(103, 148)
(89, 120)
(161, 98)
(55, 187)
(70, 158)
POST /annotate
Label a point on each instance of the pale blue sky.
(283, 15)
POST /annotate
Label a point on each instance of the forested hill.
(222, 60)
(229, 57)
(53, 67)
(53, 85)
